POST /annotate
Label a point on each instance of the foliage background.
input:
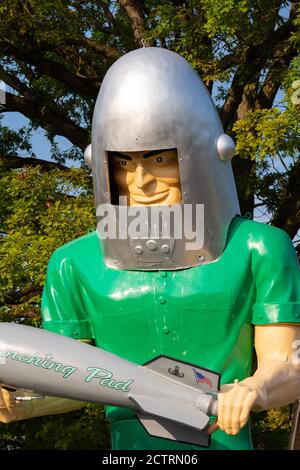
(53, 57)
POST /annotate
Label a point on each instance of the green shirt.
(202, 315)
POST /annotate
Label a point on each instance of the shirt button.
(166, 330)
(162, 300)
(163, 274)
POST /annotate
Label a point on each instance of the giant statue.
(200, 284)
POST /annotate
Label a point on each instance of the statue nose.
(141, 177)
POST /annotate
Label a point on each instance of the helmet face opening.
(152, 107)
(144, 178)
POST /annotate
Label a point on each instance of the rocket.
(171, 398)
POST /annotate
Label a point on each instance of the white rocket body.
(171, 398)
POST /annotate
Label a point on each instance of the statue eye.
(159, 159)
(123, 162)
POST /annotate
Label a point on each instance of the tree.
(55, 54)
(42, 208)
(53, 57)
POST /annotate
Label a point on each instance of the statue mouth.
(149, 199)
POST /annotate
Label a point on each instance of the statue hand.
(8, 405)
(235, 402)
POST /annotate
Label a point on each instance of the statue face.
(147, 178)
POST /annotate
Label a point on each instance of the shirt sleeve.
(63, 308)
(277, 278)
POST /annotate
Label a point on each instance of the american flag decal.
(200, 378)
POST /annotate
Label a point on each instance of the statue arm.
(277, 379)
(10, 410)
(275, 383)
(17, 411)
(62, 312)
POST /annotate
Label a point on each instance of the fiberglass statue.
(157, 143)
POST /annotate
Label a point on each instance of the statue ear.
(225, 147)
(88, 156)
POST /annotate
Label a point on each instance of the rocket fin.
(166, 429)
(186, 415)
(199, 378)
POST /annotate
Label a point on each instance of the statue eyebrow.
(156, 152)
(121, 155)
(146, 155)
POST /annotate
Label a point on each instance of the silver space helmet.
(152, 99)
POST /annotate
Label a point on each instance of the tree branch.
(109, 52)
(118, 30)
(234, 97)
(33, 312)
(17, 297)
(13, 81)
(282, 59)
(15, 162)
(82, 85)
(134, 12)
(287, 215)
(48, 116)
(265, 49)
(275, 47)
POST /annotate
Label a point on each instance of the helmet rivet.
(138, 249)
(151, 244)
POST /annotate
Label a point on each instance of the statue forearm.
(276, 381)
(10, 410)
(53, 405)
